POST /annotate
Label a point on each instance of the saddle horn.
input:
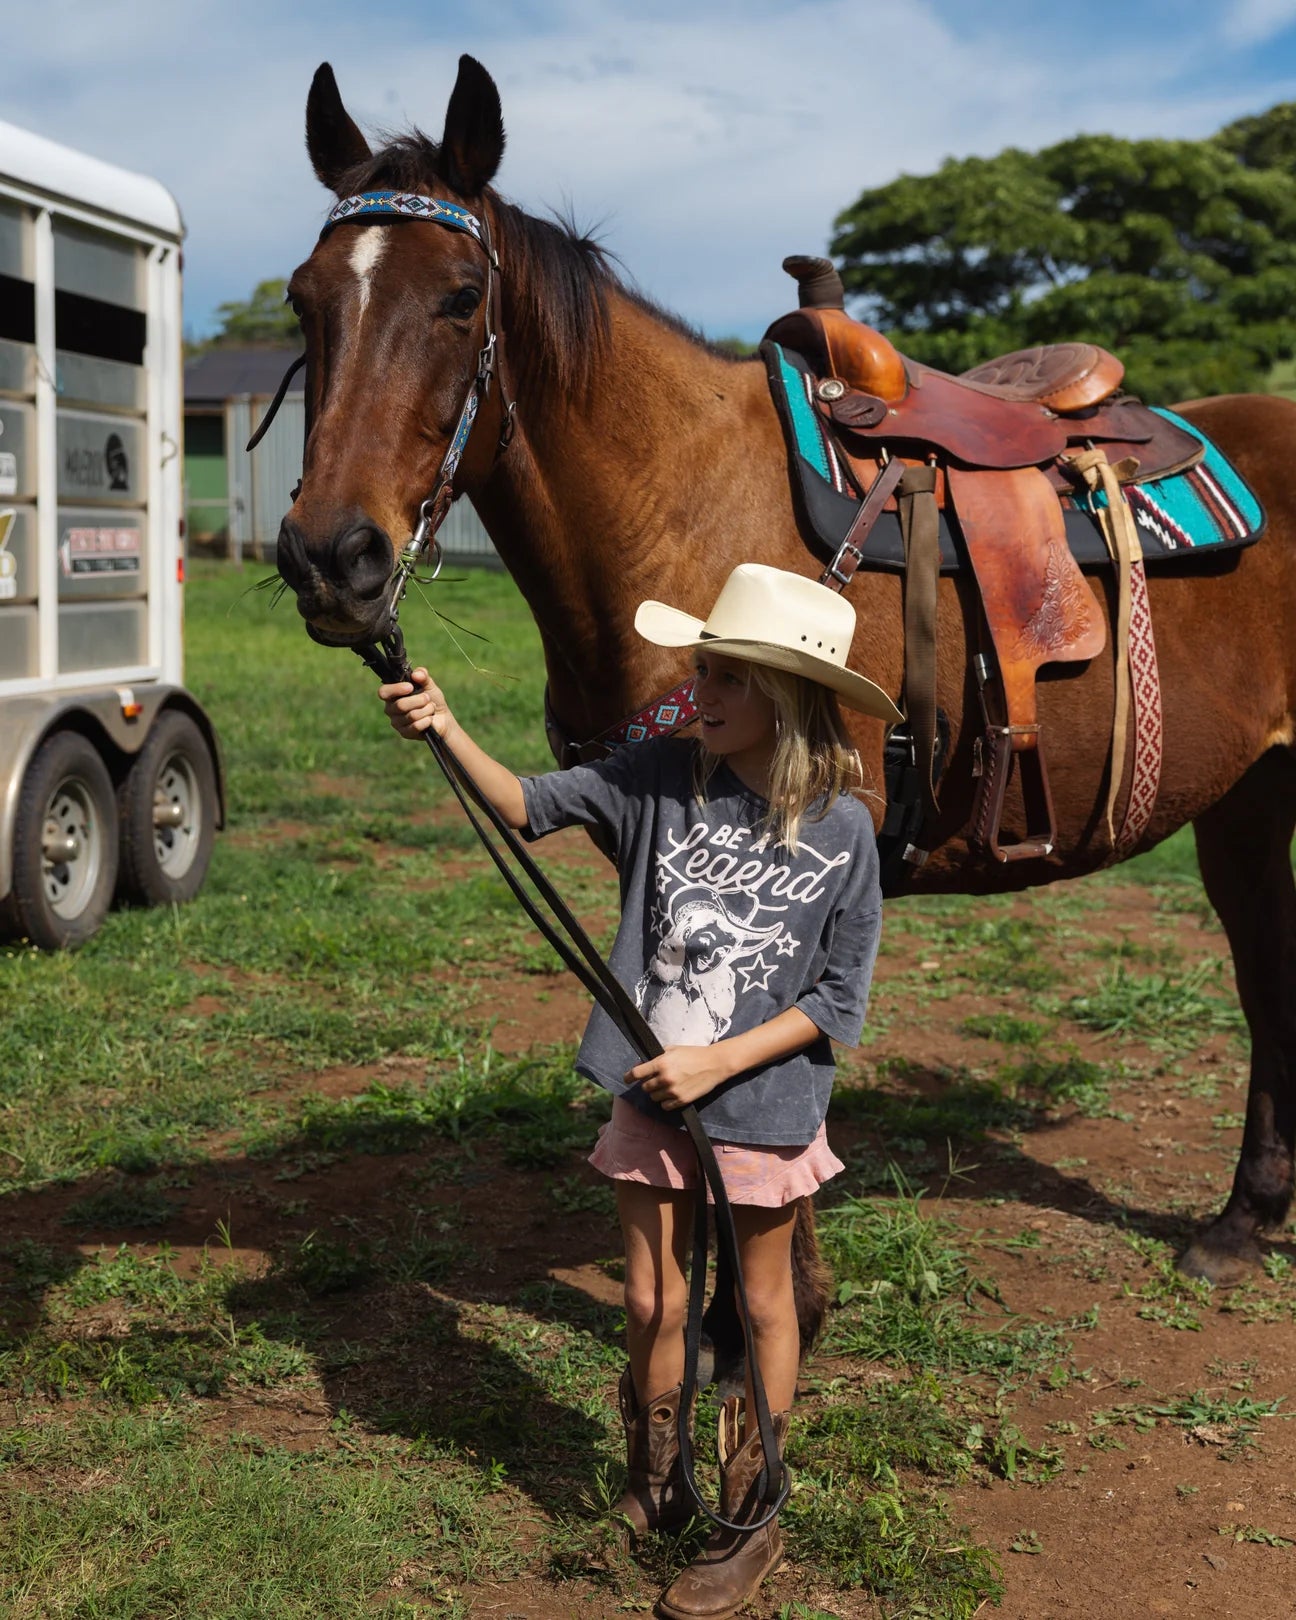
(818, 284)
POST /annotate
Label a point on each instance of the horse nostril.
(363, 559)
(290, 556)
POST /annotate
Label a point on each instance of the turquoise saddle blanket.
(1207, 510)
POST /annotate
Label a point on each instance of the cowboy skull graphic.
(690, 986)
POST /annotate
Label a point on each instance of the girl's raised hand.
(413, 708)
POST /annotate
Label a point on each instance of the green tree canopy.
(262, 318)
(1180, 256)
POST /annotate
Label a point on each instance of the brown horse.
(642, 463)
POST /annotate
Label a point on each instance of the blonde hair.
(814, 760)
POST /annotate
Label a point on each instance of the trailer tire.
(61, 895)
(167, 809)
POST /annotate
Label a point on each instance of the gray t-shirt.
(722, 929)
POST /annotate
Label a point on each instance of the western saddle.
(997, 447)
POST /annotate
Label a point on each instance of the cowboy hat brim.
(668, 627)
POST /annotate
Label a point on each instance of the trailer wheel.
(65, 844)
(167, 811)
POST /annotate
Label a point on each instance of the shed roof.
(224, 373)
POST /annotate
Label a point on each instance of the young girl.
(750, 911)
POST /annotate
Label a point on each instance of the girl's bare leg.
(765, 1247)
(655, 1225)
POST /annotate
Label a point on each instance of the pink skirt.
(633, 1147)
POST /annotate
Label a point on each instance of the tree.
(1267, 141)
(1178, 255)
(262, 318)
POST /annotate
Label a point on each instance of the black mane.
(555, 281)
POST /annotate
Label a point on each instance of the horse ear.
(473, 143)
(334, 142)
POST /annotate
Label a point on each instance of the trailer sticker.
(8, 471)
(93, 464)
(8, 562)
(99, 551)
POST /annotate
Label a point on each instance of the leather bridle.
(369, 207)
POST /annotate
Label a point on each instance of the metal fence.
(261, 485)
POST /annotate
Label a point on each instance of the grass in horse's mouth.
(274, 583)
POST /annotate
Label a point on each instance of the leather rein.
(387, 658)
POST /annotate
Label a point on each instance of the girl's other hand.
(680, 1075)
(413, 708)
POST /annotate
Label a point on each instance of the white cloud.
(709, 139)
(1253, 22)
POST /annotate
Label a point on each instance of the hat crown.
(759, 603)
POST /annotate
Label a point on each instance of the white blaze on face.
(365, 258)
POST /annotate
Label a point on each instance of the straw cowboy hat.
(783, 620)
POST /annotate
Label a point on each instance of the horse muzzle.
(345, 595)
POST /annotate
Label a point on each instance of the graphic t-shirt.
(722, 928)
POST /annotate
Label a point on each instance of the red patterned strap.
(1138, 682)
(1148, 733)
(662, 716)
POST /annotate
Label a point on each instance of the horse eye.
(459, 306)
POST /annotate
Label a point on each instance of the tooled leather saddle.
(994, 449)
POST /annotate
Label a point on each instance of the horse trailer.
(110, 777)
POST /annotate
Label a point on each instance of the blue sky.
(704, 141)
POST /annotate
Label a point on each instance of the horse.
(615, 452)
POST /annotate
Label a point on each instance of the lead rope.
(389, 662)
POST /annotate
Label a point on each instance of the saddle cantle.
(999, 440)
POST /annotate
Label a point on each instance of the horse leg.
(722, 1329)
(1244, 846)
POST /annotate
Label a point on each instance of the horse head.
(397, 317)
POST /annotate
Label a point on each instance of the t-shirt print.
(724, 922)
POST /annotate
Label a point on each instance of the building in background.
(234, 501)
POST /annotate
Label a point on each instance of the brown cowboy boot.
(655, 1497)
(733, 1563)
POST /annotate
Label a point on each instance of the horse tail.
(811, 1277)
(811, 1285)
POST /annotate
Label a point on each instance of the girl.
(750, 912)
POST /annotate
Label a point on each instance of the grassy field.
(292, 1254)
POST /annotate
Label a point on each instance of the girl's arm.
(412, 709)
(684, 1073)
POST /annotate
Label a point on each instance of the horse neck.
(647, 485)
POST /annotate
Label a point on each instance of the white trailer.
(110, 777)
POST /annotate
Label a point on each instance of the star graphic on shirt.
(659, 921)
(757, 974)
(787, 946)
(663, 882)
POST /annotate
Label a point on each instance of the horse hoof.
(1226, 1267)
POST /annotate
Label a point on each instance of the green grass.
(322, 928)
(907, 1295)
(160, 1520)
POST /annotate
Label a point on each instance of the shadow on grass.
(413, 1277)
(929, 1121)
(426, 1281)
